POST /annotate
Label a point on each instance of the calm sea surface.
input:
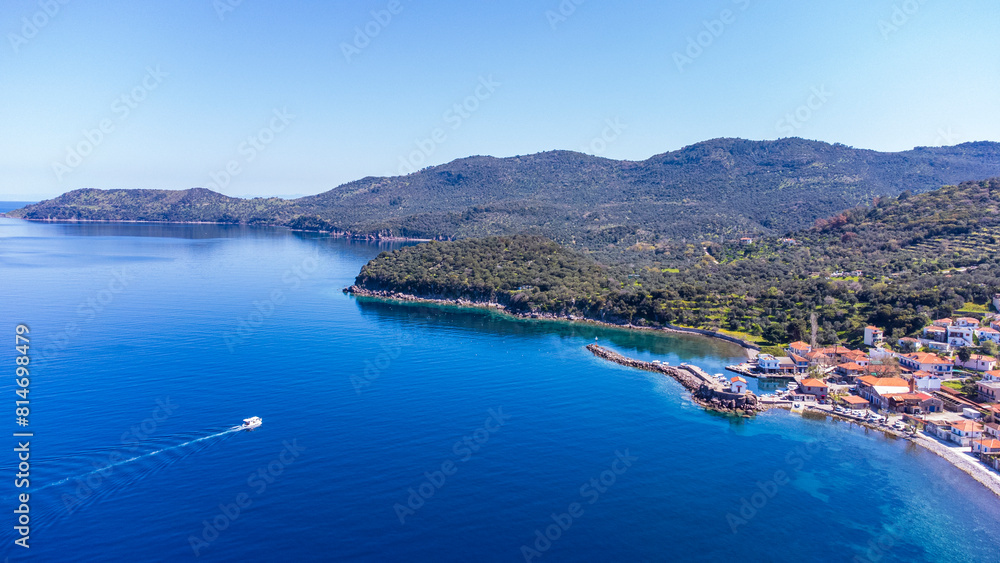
(405, 432)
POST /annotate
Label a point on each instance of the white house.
(966, 322)
(927, 382)
(989, 333)
(965, 431)
(960, 336)
(874, 336)
(978, 362)
(738, 385)
(767, 362)
(992, 375)
(922, 361)
(943, 323)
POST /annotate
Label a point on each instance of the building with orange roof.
(943, 323)
(854, 402)
(849, 371)
(965, 431)
(927, 362)
(874, 336)
(986, 446)
(979, 362)
(799, 347)
(814, 387)
(914, 403)
(737, 385)
(966, 322)
(875, 389)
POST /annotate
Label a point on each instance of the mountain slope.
(919, 257)
(718, 188)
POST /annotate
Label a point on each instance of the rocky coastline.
(748, 348)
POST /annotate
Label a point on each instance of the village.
(938, 389)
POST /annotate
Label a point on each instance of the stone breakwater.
(707, 394)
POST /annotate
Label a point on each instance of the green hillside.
(919, 256)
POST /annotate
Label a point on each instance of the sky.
(255, 98)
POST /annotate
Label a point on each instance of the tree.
(964, 353)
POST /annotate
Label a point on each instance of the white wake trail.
(138, 457)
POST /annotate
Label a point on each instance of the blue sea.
(401, 432)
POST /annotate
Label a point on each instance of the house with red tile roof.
(988, 334)
(914, 403)
(986, 446)
(978, 362)
(814, 387)
(965, 431)
(737, 385)
(926, 362)
(799, 347)
(876, 388)
(854, 402)
(966, 322)
(849, 371)
(874, 336)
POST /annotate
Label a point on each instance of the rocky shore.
(750, 349)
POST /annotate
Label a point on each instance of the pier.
(705, 389)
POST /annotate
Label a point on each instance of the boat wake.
(106, 468)
(95, 486)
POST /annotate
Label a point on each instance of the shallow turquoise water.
(368, 404)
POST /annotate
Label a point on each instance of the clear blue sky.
(891, 75)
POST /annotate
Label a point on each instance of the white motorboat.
(251, 423)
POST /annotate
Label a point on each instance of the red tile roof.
(853, 399)
(812, 383)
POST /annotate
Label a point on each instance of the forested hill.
(715, 189)
(895, 264)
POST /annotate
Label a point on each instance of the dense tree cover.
(194, 205)
(525, 273)
(920, 256)
(708, 191)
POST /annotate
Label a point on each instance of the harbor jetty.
(706, 390)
